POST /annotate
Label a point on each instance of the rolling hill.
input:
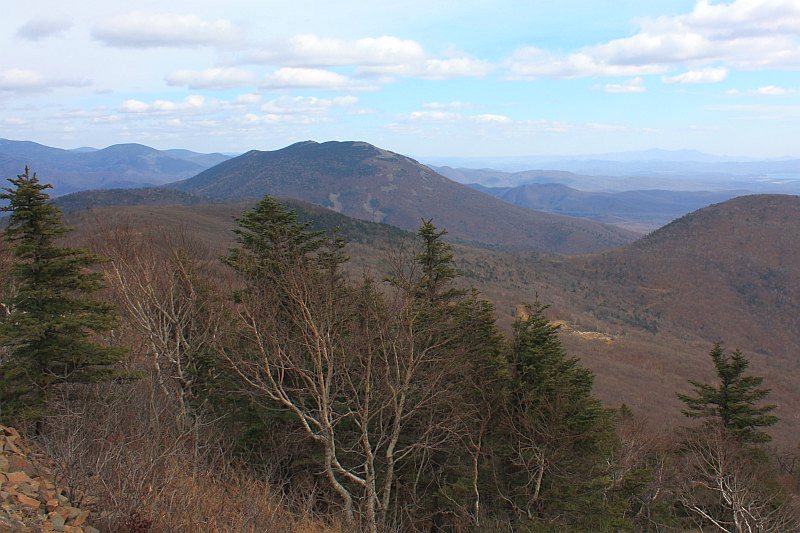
(365, 182)
(79, 201)
(728, 271)
(117, 166)
(642, 210)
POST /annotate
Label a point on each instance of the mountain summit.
(366, 182)
(117, 166)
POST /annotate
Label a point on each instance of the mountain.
(117, 166)
(206, 160)
(728, 271)
(643, 210)
(365, 182)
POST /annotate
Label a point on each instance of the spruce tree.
(51, 332)
(272, 239)
(733, 402)
(436, 262)
(554, 432)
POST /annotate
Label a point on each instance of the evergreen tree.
(52, 327)
(734, 401)
(554, 434)
(271, 239)
(436, 261)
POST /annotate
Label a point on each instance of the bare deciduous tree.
(725, 487)
(357, 369)
(161, 284)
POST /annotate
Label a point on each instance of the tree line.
(395, 402)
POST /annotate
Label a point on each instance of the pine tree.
(52, 329)
(734, 401)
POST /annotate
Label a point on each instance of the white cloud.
(39, 28)
(766, 90)
(314, 51)
(247, 99)
(150, 30)
(444, 105)
(764, 111)
(706, 75)
(772, 90)
(458, 67)
(499, 119)
(376, 57)
(634, 85)
(743, 34)
(299, 109)
(423, 122)
(602, 126)
(311, 78)
(432, 69)
(190, 104)
(290, 105)
(28, 80)
(433, 116)
(213, 78)
(532, 63)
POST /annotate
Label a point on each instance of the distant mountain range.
(648, 163)
(783, 178)
(117, 166)
(644, 210)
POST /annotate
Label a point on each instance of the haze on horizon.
(459, 79)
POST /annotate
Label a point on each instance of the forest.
(276, 389)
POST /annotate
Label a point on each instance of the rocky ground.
(31, 499)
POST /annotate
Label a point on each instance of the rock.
(27, 501)
(80, 519)
(18, 477)
(64, 511)
(30, 498)
(57, 521)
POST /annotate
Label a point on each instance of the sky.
(429, 79)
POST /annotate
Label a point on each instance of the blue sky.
(460, 78)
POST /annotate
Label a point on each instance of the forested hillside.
(351, 372)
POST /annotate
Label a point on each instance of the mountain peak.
(363, 181)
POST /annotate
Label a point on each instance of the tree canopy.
(734, 400)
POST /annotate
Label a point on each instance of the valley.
(651, 309)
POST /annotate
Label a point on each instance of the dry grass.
(121, 446)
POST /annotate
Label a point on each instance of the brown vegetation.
(663, 300)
